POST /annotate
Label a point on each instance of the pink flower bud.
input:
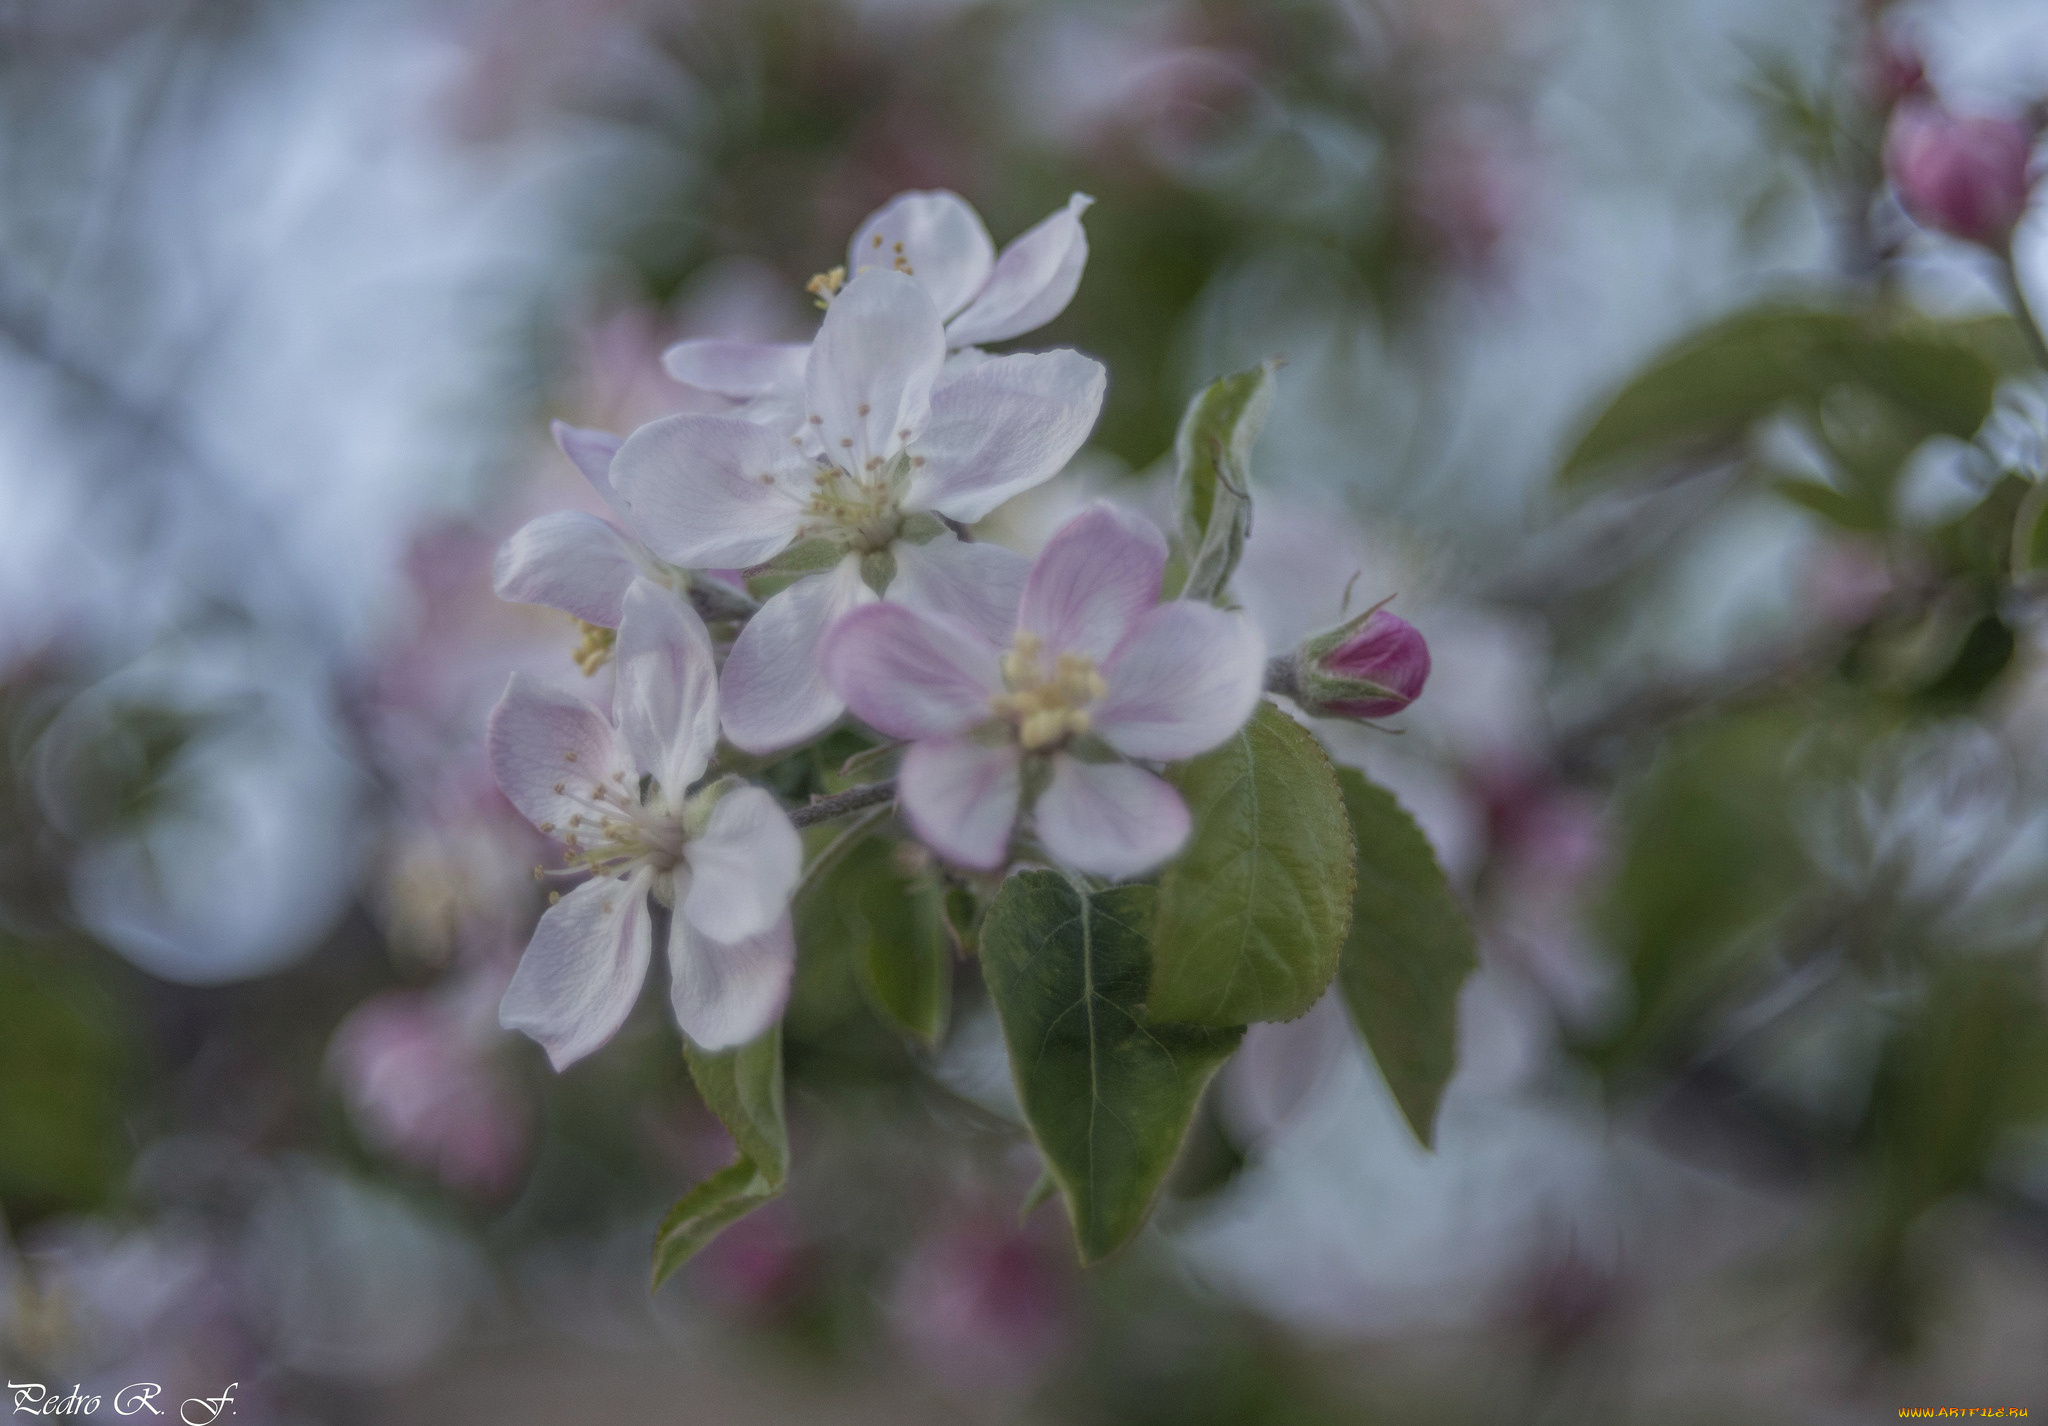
(1964, 176)
(1372, 667)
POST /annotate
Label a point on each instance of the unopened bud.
(1964, 176)
(1372, 667)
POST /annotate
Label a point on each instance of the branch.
(838, 804)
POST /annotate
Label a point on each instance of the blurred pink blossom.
(1963, 175)
(422, 1078)
(984, 1307)
(756, 1266)
(1469, 183)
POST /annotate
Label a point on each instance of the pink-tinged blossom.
(881, 457)
(574, 561)
(1372, 667)
(616, 792)
(423, 1084)
(1966, 176)
(936, 238)
(1095, 670)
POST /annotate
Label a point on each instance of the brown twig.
(838, 804)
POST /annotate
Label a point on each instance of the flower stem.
(2023, 310)
(1283, 677)
(838, 804)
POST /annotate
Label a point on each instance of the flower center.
(863, 514)
(612, 833)
(1049, 707)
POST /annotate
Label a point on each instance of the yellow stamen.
(825, 286)
(595, 650)
(1048, 711)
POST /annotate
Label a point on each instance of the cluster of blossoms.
(1032, 695)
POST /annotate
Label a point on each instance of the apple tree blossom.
(1076, 749)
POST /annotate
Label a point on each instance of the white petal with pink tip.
(569, 561)
(711, 492)
(1002, 427)
(1184, 680)
(1096, 576)
(912, 675)
(934, 237)
(540, 739)
(975, 581)
(961, 798)
(872, 367)
(1032, 283)
(725, 993)
(666, 694)
(582, 972)
(743, 867)
(1111, 819)
(773, 694)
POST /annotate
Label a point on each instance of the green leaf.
(743, 1087)
(889, 927)
(1830, 504)
(705, 1211)
(904, 956)
(1108, 1093)
(1963, 1073)
(1408, 953)
(1714, 385)
(1252, 914)
(1710, 861)
(1213, 453)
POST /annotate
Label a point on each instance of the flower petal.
(960, 797)
(910, 674)
(666, 694)
(583, 969)
(1032, 283)
(872, 367)
(1186, 679)
(972, 580)
(740, 371)
(1003, 427)
(1110, 819)
(1095, 577)
(743, 868)
(541, 739)
(936, 237)
(725, 993)
(569, 561)
(773, 693)
(711, 492)
(591, 452)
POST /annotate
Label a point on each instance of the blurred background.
(1749, 801)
